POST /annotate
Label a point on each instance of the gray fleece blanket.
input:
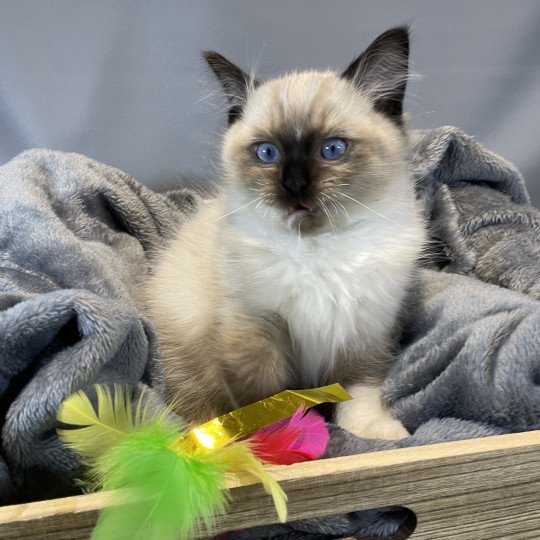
(76, 237)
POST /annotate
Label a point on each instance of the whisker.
(333, 178)
(338, 206)
(331, 202)
(251, 202)
(342, 207)
(365, 206)
(325, 210)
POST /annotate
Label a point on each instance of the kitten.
(294, 275)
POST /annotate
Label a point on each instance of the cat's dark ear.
(382, 70)
(234, 81)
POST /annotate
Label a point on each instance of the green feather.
(167, 494)
(161, 494)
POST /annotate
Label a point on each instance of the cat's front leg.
(366, 416)
(255, 360)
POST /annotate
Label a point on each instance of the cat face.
(310, 150)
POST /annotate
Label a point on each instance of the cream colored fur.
(248, 300)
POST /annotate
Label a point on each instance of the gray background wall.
(122, 81)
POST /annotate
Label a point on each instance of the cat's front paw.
(377, 426)
(384, 428)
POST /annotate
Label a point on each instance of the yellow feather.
(240, 461)
(98, 432)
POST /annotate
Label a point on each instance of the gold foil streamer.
(246, 420)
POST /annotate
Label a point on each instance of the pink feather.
(302, 437)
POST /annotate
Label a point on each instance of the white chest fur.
(337, 292)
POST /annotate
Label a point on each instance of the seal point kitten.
(295, 274)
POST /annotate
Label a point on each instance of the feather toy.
(302, 437)
(169, 480)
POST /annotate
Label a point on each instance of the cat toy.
(168, 480)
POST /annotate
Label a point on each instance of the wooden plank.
(465, 490)
(445, 485)
(70, 517)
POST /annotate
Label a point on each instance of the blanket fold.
(468, 354)
(75, 237)
(76, 240)
(478, 208)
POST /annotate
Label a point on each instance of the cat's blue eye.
(267, 152)
(333, 148)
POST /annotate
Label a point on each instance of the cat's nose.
(295, 187)
(295, 178)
